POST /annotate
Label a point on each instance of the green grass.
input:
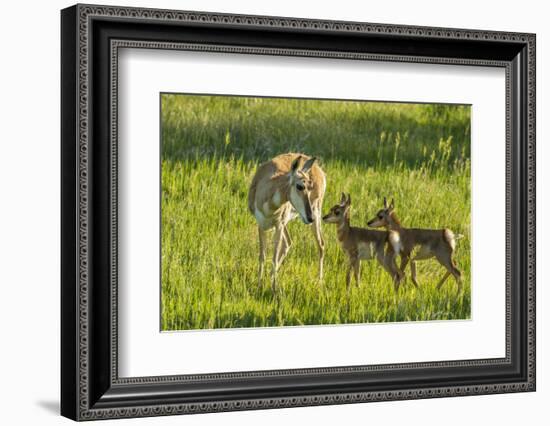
(211, 146)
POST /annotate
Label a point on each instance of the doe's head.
(383, 217)
(301, 186)
(339, 212)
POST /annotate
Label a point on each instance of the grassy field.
(211, 146)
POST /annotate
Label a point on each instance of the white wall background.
(29, 211)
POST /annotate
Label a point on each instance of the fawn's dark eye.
(337, 212)
(300, 187)
(380, 216)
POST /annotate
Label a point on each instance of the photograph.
(280, 212)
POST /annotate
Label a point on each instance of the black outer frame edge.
(69, 188)
(104, 394)
(297, 38)
(99, 154)
(494, 49)
(137, 395)
(519, 205)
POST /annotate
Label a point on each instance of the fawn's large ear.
(385, 203)
(343, 199)
(391, 204)
(308, 164)
(348, 202)
(295, 164)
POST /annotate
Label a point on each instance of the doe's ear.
(348, 202)
(391, 204)
(295, 163)
(385, 203)
(308, 164)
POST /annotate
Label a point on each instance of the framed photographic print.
(263, 212)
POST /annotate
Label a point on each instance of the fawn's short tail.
(450, 237)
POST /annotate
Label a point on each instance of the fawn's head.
(340, 211)
(384, 217)
(300, 187)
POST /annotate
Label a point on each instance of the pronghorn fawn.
(283, 188)
(364, 244)
(420, 244)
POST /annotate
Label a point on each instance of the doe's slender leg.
(277, 243)
(285, 246)
(316, 229)
(262, 240)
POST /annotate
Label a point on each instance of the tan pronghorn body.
(420, 244)
(364, 244)
(283, 188)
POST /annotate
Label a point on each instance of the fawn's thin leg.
(348, 275)
(442, 280)
(262, 239)
(404, 260)
(413, 273)
(357, 271)
(398, 275)
(447, 261)
(393, 263)
(388, 263)
(316, 229)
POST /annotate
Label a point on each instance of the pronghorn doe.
(364, 244)
(420, 244)
(283, 188)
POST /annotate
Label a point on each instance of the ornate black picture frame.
(91, 388)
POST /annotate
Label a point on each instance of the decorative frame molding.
(91, 388)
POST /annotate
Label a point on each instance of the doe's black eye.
(300, 187)
(337, 212)
(380, 216)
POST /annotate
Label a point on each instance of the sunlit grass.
(211, 146)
